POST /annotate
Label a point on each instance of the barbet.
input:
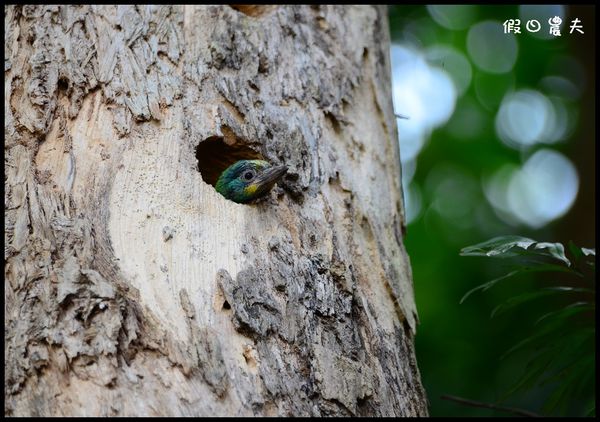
(247, 180)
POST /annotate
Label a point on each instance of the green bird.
(247, 180)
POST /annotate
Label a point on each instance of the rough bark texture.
(134, 288)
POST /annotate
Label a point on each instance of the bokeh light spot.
(453, 62)
(527, 117)
(544, 189)
(453, 192)
(535, 194)
(561, 87)
(490, 48)
(454, 17)
(423, 93)
(412, 202)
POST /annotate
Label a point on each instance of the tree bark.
(132, 286)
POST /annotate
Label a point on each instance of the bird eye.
(249, 175)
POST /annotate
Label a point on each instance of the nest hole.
(63, 84)
(214, 156)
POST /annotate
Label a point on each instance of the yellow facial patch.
(251, 189)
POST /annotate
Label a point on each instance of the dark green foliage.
(560, 351)
(458, 347)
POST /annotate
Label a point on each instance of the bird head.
(247, 180)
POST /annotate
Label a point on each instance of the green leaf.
(557, 329)
(567, 311)
(557, 399)
(487, 285)
(575, 250)
(572, 354)
(529, 379)
(520, 345)
(539, 268)
(588, 252)
(526, 297)
(586, 255)
(556, 250)
(563, 343)
(579, 252)
(498, 246)
(590, 256)
(573, 381)
(510, 246)
(565, 359)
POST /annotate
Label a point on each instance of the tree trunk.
(133, 287)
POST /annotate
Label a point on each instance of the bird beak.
(269, 177)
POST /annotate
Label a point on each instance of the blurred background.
(499, 139)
